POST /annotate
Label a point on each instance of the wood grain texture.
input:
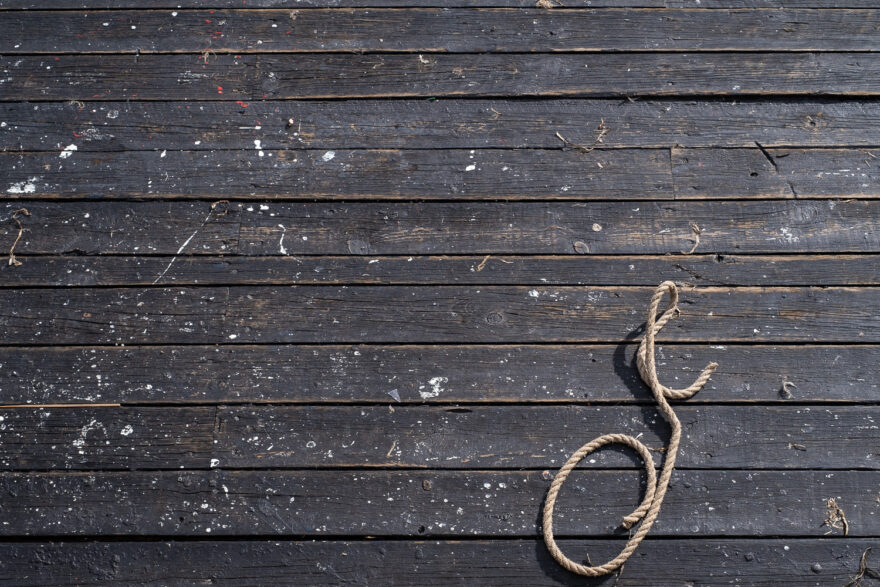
(359, 174)
(393, 374)
(226, 4)
(429, 437)
(427, 504)
(61, 439)
(452, 30)
(609, 75)
(331, 276)
(490, 314)
(435, 228)
(658, 563)
(447, 124)
(728, 270)
(458, 174)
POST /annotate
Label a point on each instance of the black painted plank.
(390, 375)
(446, 174)
(428, 503)
(360, 174)
(463, 124)
(256, 77)
(729, 270)
(485, 228)
(430, 437)
(450, 314)
(657, 563)
(452, 30)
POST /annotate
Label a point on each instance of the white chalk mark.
(67, 151)
(185, 243)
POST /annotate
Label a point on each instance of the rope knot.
(655, 490)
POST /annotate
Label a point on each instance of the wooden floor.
(327, 295)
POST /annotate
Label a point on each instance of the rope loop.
(655, 489)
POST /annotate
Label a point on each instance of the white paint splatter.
(470, 167)
(328, 156)
(84, 431)
(23, 187)
(787, 235)
(67, 151)
(127, 430)
(436, 384)
(215, 463)
(281, 248)
(534, 293)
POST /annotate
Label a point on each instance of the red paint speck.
(76, 134)
(208, 20)
(219, 89)
(242, 104)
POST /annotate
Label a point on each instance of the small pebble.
(750, 556)
(816, 568)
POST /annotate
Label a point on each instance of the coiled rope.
(656, 490)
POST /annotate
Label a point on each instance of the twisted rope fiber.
(656, 490)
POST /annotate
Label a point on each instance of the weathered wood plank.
(718, 436)
(260, 77)
(221, 4)
(446, 174)
(429, 503)
(451, 314)
(364, 174)
(766, 172)
(728, 270)
(434, 228)
(390, 375)
(463, 124)
(452, 30)
(105, 438)
(657, 563)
